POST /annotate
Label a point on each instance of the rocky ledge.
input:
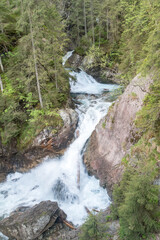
(30, 223)
(115, 134)
(102, 75)
(46, 143)
(46, 221)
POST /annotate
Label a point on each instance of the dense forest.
(33, 82)
(116, 34)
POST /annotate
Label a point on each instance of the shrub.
(94, 229)
(136, 201)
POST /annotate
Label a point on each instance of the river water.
(65, 179)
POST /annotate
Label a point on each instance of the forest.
(123, 35)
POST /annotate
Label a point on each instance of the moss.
(133, 96)
(104, 125)
(36, 125)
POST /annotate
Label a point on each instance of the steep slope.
(116, 133)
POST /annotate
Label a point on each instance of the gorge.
(65, 179)
(80, 132)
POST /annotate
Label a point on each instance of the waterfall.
(56, 179)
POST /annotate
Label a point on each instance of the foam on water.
(56, 179)
(87, 84)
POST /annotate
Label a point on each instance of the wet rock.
(75, 61)
(4, 193)
(62, 193)
(104, 75)
(115, 134)
(31, 223)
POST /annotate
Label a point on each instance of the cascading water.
(65, 179)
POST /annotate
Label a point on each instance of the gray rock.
(62, 193)
(31, 223)
(60, 140)
(116, 133)
(74, 61)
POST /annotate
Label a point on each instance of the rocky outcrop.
(59, 141)
(46, 143)
(116, 133)
(30, 223)
(102, 75)
(111, 229)
(60, 232)
(75, 61)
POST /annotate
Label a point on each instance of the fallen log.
(95, 210)
(89, 212)
(68, 224)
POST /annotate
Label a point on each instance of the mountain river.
(56, 179)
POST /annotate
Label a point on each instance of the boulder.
(115, 134)
(31, 223)
(105, 75)
(74, 61)
(60, 140)
(62, 194)
(46, 143)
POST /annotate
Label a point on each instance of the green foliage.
(94, 56)
(149, 117)
(94, 229)
(39, 119)
(83, 46)
(20, 115)
(80, 51)
(136, 197)
(8, 34)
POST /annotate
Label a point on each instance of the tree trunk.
(22, 6)
(92, 21)
(55, 68)
(1, 64)
(107, 23)
(78, 37)
(35, 61)
(8, 2)
(99, 34)
(1, 26)
(1, 83)
(85, 20)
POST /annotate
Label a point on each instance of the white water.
(56, 179)
(87, 84)
(65, 58)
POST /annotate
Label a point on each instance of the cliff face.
(116, 133)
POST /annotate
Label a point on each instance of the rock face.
(75, 61)
(105, 75)
(31, 223)
(59, 141)
(115, 134)
(47, 143)
(65, 233)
